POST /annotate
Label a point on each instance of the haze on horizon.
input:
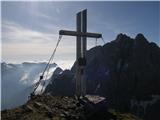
(30, 29)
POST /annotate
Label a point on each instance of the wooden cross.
(81, 44)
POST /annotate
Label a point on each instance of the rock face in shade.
(122, 70)
(61, 84)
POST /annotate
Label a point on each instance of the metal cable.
(48, 65)
(52, 56)
(96, 42)
(103, 40)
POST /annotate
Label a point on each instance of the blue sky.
(30, 29)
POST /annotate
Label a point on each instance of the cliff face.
(122, 70)
(61, 84)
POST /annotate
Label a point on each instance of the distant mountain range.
(126, 71)
(17, 82)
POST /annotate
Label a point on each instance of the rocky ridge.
(47, 107)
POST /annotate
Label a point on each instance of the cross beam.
(79, 34)
(81, 46)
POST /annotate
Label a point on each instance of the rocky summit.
(47, 107)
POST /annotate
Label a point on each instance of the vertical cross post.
(81, 50)
(81, 46)
(84, 47)
(78, 55)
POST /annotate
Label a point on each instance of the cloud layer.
(20, 41)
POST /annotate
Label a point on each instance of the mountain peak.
(140, 36)
(121, 36)
(141, 39)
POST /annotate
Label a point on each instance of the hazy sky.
(30, 29)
